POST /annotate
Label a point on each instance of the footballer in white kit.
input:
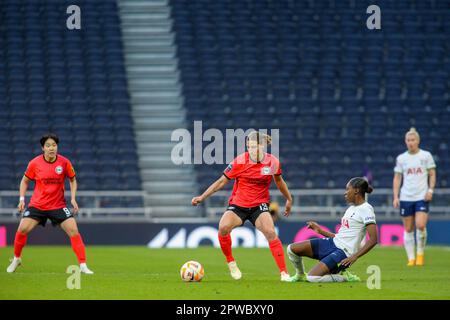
(414, 170)
(338, 251)
(417, 169)
(353, 228)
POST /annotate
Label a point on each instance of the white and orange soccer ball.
(192, 271)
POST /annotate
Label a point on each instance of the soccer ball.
(192, 271)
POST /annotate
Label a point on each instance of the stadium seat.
(72, 83)
(332, 87)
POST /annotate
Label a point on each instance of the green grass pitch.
(141, 273)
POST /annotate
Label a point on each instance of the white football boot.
(285, 277)
(84, 269)
(15, 262)
(234, 270)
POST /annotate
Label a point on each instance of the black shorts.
(250, 214)
(57, 216)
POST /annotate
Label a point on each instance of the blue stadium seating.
(71, 82)
(342, 95)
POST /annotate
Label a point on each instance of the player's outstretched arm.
(22, 191)
(216, 186)
(282, 186)
(373, 240)
(317, 229)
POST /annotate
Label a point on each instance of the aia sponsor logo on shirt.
(59, 170)
(415, 171)
(344, 222)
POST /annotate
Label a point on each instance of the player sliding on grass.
(48, 171)
(253, 172)
(338, 251)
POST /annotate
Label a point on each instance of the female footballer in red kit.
(253, 172)
(49, 171)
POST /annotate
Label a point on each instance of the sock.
(225, 245)
(78, 248)
(327, 278)
(19, 242)
(421, 238)
(296, 260)
(276, 248)
(409, 245)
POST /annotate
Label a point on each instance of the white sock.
(421, 238)
(296, 260)
(409, 245)
(327, 278)
(83, 265)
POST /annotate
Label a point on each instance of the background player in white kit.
(338, 251)
(417, 169)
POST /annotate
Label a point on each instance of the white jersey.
(414, 168)
(353, 228)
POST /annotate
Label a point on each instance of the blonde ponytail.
(413, 131)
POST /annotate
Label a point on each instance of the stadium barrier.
(318, 204)
(192, 235)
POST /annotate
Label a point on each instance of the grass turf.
(141, 273)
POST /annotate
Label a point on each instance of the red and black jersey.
(252, 179)
(49, 177)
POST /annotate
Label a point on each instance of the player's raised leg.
(408, 238)
(264, 223)
(71, 228)
(421, 236)
(295, 253)
(227, 223)
(25, 227)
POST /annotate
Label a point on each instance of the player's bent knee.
(72, 232)
(224, 230)
(23, 230)
(270, 235)
(290, 250)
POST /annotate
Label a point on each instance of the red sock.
(225, 244)
(278, 254)
(19, 243)
(78, 248)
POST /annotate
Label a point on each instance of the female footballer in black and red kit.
(253, 172)
(49, 171)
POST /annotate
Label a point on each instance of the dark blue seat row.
(341, 95)
(72, 83)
